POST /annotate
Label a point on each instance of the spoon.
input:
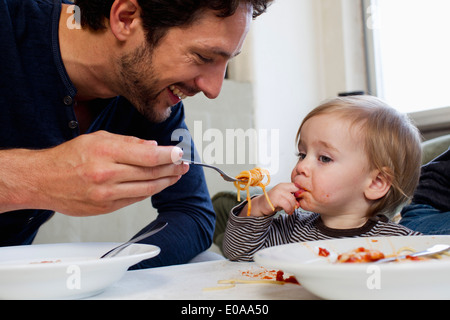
(113, 252)
(438, 248)
(225, 176)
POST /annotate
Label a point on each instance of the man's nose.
(211, 81)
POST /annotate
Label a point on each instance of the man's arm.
(92, 174)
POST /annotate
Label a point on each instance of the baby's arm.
(282, 198)
(244, 235)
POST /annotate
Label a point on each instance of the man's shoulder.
(21, 8)
(22, 18)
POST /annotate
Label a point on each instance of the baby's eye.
(325, 159)
(301, 155)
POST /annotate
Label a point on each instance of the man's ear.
(378, 186)
(124, 17)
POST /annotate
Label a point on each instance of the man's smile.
(177, 92)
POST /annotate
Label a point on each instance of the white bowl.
(329, 280)
(66, 270)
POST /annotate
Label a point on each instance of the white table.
(190, 282)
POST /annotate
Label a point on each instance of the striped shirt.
(244, 236)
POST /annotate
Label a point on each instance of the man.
(88, 112)
(429, 211)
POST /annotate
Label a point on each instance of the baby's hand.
(282, 198)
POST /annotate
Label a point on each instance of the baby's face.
(332, 168)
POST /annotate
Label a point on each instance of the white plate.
(329, 280)
(66, 270)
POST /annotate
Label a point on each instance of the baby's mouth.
(176, 91)
(299, 193)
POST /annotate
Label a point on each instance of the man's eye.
(204, 59)
(325, 159)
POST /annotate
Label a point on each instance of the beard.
(138, 84)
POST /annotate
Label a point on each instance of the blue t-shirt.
(36, 101)
(434, 184)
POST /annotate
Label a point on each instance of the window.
(408, 47)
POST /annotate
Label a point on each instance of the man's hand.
(92, 174)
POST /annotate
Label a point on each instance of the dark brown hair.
(159, 16)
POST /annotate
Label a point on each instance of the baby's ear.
(379, 184)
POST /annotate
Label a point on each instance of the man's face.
(185, 62)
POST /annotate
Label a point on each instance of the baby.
(358, 161)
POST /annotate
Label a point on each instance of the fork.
(113, 252)
(438, 248)
(225, 176)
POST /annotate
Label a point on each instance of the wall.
(304, 51)
(287, 71)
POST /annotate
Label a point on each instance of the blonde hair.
(391, 143)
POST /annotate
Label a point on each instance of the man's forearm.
(19, 171)
(92, 174)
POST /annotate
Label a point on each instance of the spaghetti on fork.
(252, 178)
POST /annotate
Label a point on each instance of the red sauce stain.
(265, 274)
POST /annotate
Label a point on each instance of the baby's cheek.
(326, 196)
